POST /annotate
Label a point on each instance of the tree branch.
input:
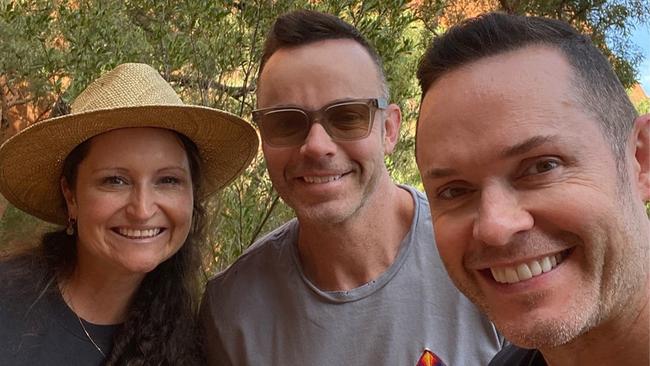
(251, 62)
(265, 219)
(505, 6)
(43, 113)
(579, 13)
(206, 84)
(19, 102)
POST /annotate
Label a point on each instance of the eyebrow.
(438, 173)
(125, 170)
(508, 152)
(526, 146)
(326, 105)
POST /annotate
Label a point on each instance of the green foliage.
(209, 51)
(608, 23)
(17, 228)
(643, 107)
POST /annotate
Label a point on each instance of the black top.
(36, 325)
(512, 355)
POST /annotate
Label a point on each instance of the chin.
(331, 212)
(531, 331)
(547, 336)
(142, 267)
(324, 217)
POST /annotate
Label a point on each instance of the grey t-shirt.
(263, 310)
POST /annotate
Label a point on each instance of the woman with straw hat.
(125, 174)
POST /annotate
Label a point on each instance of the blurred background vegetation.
(209, 51)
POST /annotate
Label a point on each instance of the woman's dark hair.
(161, 325)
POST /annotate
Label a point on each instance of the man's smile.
(526, 270)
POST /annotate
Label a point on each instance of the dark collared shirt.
(512, 355)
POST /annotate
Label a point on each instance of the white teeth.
(139, 234)
(535, 268)
(321, 179)
(525, 271)
(546, 264)
(497, 276)
(511, 275)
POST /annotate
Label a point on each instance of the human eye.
(349, 116)
(114, 181)
(541, 166)
(174, 179)
(170, 180)
(284, 123)
(453, 191)
(286, 127)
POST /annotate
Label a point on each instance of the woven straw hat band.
(127, 85)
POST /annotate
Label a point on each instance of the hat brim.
(31, 161)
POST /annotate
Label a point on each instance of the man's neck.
(623, 341)
(349, 254)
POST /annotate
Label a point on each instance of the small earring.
(70, 229)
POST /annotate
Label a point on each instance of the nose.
(142, 204)
(500, 216)
(318, 142)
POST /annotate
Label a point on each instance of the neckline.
(102, 334)
(374, 285)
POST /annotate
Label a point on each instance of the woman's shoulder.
(26, 310)
(20, 263)
(21, 274)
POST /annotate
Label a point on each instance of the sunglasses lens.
(348, 121)
(284, 127)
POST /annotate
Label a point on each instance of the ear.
(70, 201)
(392, 122)
(641, 144)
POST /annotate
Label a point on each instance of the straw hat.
(131, 95)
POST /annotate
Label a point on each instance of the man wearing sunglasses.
(355, 279)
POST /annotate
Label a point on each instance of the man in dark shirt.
(537, 167)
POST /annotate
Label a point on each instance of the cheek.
(276, 161)
(181, 211)
(452, 237)
(275, 171)
(372, 148)
(97, 208)
(582, 209)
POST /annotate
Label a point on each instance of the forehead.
(147, 143)
(501, 100)
(317, 73)
(537, 74)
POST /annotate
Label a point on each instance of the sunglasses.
(345, 120)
